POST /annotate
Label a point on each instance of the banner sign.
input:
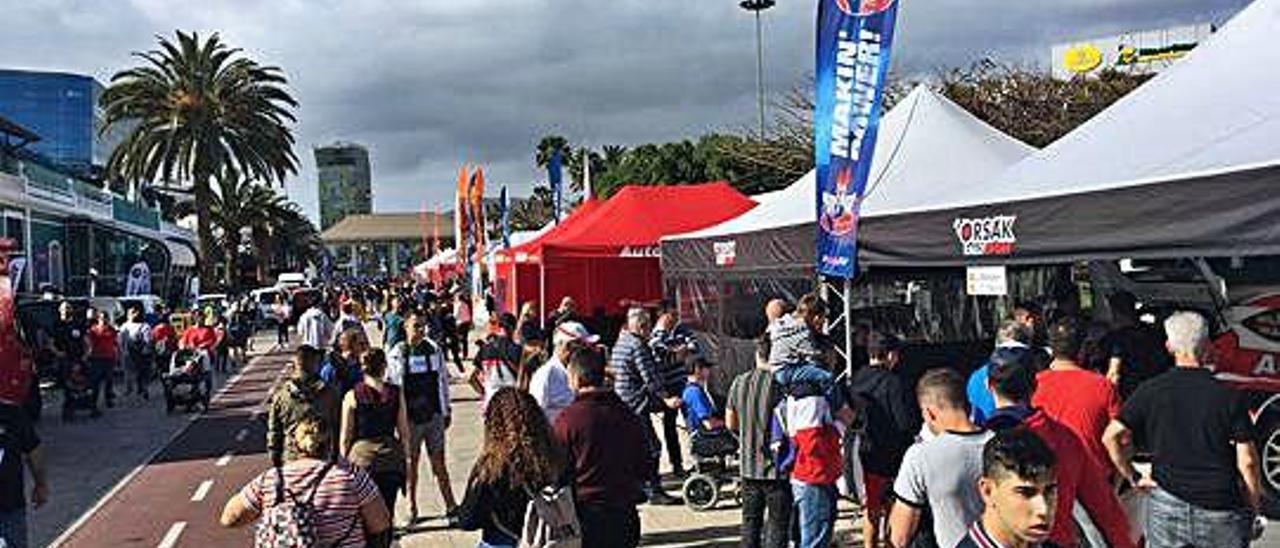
(505, 214)
(554, 178)
(854, 39)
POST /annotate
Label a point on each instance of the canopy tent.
(516, 271)
(440, 268)
(929, 151)
(610, 254)
(1187, 165)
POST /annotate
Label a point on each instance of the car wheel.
(1269, 453)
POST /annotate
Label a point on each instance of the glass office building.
(63, 110)
(344, 178)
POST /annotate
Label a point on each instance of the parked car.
(264, 299)
(291, 280)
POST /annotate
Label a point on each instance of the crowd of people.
(1035, 448)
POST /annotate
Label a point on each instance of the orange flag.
(477, 212)
(460, 209)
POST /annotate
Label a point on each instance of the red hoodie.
(1079, 477)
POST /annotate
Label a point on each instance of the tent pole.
(542, 290)
(848, 325)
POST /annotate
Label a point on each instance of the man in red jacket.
(1012, 381)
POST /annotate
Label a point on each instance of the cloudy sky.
(429, 84)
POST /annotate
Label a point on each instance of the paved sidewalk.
(667, 526)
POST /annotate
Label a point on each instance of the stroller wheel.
(701, 492)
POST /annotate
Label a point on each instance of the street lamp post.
(757, 6)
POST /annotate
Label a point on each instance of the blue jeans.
(815, 510)
(13, 528)
(1175, 523)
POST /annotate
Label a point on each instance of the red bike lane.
(176, 497)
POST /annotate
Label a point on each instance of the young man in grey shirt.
(941, 473)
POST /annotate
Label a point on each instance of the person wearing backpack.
(312, 500)
(418, 366)
(302, 395)
(520, 457)
(139, 355)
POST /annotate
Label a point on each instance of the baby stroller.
(715, 465)
(77, 391)
(188, 381)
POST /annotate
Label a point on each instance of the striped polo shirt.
(751, 397)
(338, 498)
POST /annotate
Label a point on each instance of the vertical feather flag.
(586, 179)
(435, 232)
(460, 210)
(427, 250)
(554, 178)
(477, 214)
(505, 213)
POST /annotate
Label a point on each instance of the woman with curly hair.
(520, 455)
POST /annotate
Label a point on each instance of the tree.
(237, 206)
(1032, 106)
(1029, 105)
(203, 112)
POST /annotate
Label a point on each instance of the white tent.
(1215, 110)
(928, 151)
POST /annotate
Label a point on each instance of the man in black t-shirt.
(19, 445)
(1135, 351)
(1205, 485)
(892, 420)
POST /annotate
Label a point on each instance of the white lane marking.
(171, 538)
(224, 460)
(202, 491)
(242, 434)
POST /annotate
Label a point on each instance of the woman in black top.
(375, 427)
(520, 455)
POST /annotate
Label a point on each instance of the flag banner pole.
(554, 178)
(854, 40)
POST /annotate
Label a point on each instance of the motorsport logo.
(865, 7)
(726, 252)
(986, 235)
(641, 251)
(839, 209)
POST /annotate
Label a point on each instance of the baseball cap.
(573, 332)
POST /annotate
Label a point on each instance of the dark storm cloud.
(429, 84)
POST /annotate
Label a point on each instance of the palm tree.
(236, 206)
(203, 111)
(547, 148)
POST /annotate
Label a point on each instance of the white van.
(264, 298)
(291, 280)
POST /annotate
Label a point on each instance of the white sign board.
(726, 252)
(990, 281)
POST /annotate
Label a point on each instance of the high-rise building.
(344, 179)
(63, 109)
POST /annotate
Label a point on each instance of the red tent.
(517, 269)
(611, 254)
